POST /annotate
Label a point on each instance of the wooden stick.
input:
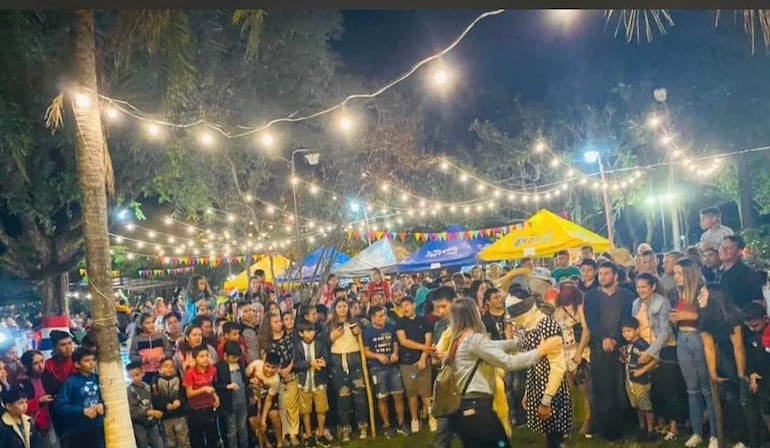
(365, 369)
(718, 412)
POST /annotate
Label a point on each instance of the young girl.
(197, 289)
(193, 337)
(276, 339)
(203, 400)
(149, 347)
(346, 370)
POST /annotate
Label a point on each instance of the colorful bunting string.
(424, 237)
(165, 272)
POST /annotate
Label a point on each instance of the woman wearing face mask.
(546, 397)
(690, 351)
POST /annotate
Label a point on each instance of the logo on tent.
(448, 252)
(537, 239)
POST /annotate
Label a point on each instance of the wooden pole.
(365, 369)
(718, 412)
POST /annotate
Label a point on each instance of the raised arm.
(494, 355)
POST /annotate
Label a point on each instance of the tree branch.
(59, 268)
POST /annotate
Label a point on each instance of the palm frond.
(752, 19)
(54, 114)
(634, 21)
(252, 21)
(132, 26)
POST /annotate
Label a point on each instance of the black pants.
(609, 404)
(477, 425)
(554, 440)
(202, 425)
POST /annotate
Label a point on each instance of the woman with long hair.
(193, 337)
(652, 311)
(690, 351)
(720, 328)
(476, 357)
(275, 338)
(38, 400)
(476, 292)
(569, 315)
(346, 371)
(197, 289)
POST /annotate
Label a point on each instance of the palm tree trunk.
(93, 175)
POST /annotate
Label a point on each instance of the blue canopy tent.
(313, 265)
(383, 254)
(443, 254)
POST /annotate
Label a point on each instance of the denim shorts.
(387, 381)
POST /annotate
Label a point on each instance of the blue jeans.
(235, 424)
(692, 361)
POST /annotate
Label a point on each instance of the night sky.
(524, 51)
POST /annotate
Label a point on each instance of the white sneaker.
(739, 445)
(713, 442)
(415, 426)
(693, 441)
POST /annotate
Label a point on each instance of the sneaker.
(321, 442)
(415, 426)
(433, 424)
(346, 430)
(310, 442)
(328, 436)
(388, 432)
(669, 436)
(693, 441)
(713, 442)
(364, 428)
(739, 445)
(403, 429)
(293, 440)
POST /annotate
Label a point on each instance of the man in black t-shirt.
(415, 338)
(741, 284)
(496, 318)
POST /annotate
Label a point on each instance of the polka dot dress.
(537, 378)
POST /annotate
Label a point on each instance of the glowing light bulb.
(206, 138)
(653, 121)
(444, 165)
(168, 220)
(112, 113)
(266, 139)
(118, 239)
(441, 77)
(230, 218)
(313, 189)
(151, 234)
(463, 178)
(539, 147)
(555, 162)
(82, 101)
(346, 124)
(153, 130)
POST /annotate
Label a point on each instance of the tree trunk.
(744, 193)
(53, 293)
(93, 169)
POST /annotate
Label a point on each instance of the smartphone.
(352, 326)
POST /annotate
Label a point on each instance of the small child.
(232, 333)
(168, 396)
(310, 354)
(143, 416)
(16, 428)
(638, 378)
(78, 406)
(231, 386)
(265, 382)
(202, 400)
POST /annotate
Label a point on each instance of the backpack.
(446, 397)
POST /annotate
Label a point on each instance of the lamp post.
(312, 159)
(594, 157)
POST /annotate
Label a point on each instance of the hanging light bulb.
(153, 130)
(346, 124)
(266, 139)
(444, 165)
(112, 113)
(82, 101)
(206, 138)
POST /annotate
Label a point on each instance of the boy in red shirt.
(202, 400)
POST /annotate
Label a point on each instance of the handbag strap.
(453, 353)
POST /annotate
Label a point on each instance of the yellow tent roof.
(241, 281)
(542, 235)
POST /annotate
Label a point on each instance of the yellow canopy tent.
(542, 235)
(241, 281)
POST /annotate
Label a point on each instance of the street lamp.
(311, 157)
(593, 156)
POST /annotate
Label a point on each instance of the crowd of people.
(638, 346)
